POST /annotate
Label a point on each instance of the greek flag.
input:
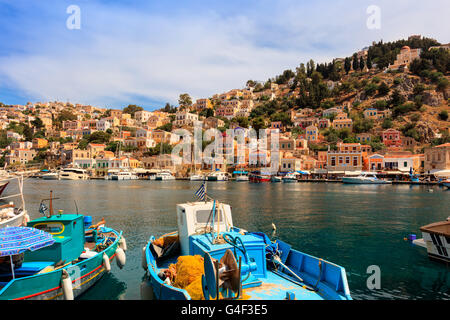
(42, 208)
(201, 192)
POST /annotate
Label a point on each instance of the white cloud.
(120, 53)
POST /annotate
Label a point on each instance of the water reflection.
(354, 226)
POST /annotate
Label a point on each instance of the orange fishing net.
(187, 274)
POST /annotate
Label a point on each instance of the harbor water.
(355, 226)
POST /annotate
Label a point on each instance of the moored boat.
(163, 176)
(365, 178)
(10, 214)
(276, 179)
(124, 175)
(436, 239)
(73, 174)
(258, 177)
(217, 176)
(290, 177)
(196, 177)
(50, 176)
(241, 176)
(80, 254)
(207, 247)
(446, 183)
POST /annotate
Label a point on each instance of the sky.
(148, 52)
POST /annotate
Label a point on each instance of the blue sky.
(147, 52)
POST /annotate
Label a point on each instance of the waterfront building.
(437, 159)
(347, 157)
(288, 164)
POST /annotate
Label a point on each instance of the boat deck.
(275, 287)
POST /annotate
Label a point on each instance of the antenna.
(76, 205)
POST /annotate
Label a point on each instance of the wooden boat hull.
(47, 286)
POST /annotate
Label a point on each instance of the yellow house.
(39, 143)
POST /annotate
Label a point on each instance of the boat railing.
(20, 180)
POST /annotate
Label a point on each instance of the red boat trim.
(49, 290)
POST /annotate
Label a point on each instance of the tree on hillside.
(132, 109)
(185, 100)
(361, 63)
(347, 65)
(383, 89)
(369, 62)
(355, 62)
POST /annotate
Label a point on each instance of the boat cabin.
(68, 232)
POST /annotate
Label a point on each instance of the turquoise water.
(353, 226)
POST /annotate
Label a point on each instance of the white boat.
(73, 174)
(365, 178)
(276, 179)
(164, 176)
(290, 177)
(50, 176)
(10, 215)
(197, 177)
(446, 183)
(124, 175)
(241, 176)
(217, 176)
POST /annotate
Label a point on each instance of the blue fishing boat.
(79, 254)
(236, 264)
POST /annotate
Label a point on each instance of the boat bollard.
(66, 284)
(106, 262)
(120, 257)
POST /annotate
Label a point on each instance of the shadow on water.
(107, 288)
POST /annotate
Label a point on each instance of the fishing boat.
(73, 174)
(3, 185)
(124, 175)
(436, 239)
(231, 263)
(290, 177)
(258, 177)
(10, 214)
(208, 257)
(241, 176)
(75, 258)
(365, 178)
(217, 176)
